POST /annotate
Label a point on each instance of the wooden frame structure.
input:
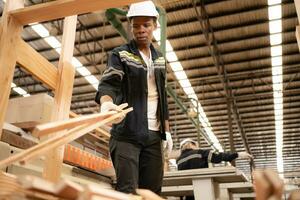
(14, 50)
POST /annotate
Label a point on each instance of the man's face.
(142, 29)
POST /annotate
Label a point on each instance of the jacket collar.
(133, 48)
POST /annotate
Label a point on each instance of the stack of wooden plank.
(78, 157)
(31, 187)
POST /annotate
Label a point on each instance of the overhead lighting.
(41, 30)
(83, 71)
(276, 39)
(273, 2)
(12, 85)
(92, 79)
(180, 75)
(53, 42)
(96, 86)
(185, 83)
(176, 66)
(168, 46)
(275, 26)
(19, 90)
(26, 95)
(274, 12)
(193, 96)
(76, 63)
(189, 90)
(276, 61)
(171, 56)
(58, 50)
(275, 29)
(276, 50)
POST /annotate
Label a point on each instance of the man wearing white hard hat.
(192, 157)
(136, 75)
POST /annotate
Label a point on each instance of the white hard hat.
(183, 142)
(145, 8)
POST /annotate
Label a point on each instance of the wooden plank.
(16, 140)
(27, 126)
(10, 33)
(102, 131)
(63, 96)
(56, 141)
(45, 129)
(68, 190)
(36, 64)
(63, 8)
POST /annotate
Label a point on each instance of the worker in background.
(135, 74)
(192, 157)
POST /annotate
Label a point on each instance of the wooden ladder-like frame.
(14, 50)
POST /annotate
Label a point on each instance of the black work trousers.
(138, 166)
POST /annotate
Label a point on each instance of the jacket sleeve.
(110, 82)
(219, 157)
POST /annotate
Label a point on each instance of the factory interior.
(232, 80)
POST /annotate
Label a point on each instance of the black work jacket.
(125, 81)
(199, 158)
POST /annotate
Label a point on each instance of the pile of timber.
(30, 187)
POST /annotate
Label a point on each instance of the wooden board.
(16, 140)
(68, 189)
(36, 107)
(33, 62)
(62, 8)
(10, 32)
(62, 96)
(27, 126)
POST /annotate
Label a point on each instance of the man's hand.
(110, 106)
(245, 155)
(168, 144)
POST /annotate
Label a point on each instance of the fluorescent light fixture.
(277, 79)
(176, 66)
(275, 29)
(274, 12)
(185, 83)
(156, 34)
(180, 75)
(171, 56)
(92, 79)
(276, 50)
(76, 63)
(12, 85)
(58, 50)
(189, 90)
(19, 90)
(273, 2)
(276, 61)
(275, 26)
(83, 71)
(277, 86)
(276, 39)
(41, 30)
(53, 42)
(26, 95)
(168, 46)
(193, 96)
(96, 86)
(277, 101)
